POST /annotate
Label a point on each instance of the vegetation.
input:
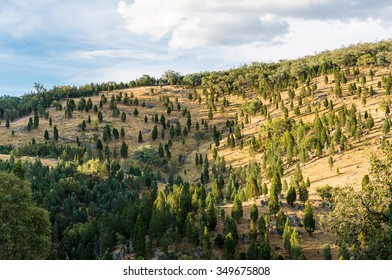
(206, 165)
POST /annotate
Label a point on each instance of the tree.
(280, 222)
(140, 137)
(55, 133)
(100, 116)
(158, 222)
(139, 242)
(154, 134)
(46, 135)
(327, 254)
(291, 195)
(25, 231)
(216, 191)
(309, 221)
(229, 247)
(123, 116)
(252, 230)
(211, 216)
(273, 204)
(330, 162)
(296, 252)
(99, 145)
(254, 212)
(7, 123)
(122, 132)
(30, 124)
(36, 119)
(236, 210)
(206, 244)
(124, 150)
(135, 112)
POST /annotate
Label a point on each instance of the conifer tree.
(286, 236)
(229, 247)
(236, 210)
(139, 242)
(140, 137)
(154, 134)
(309, 221)
(252, 231)
(280, 222)
(46, 134)
(211, 216)
(123, 116)
(124, 150)
(291, 195)
(36, 119)
(254, 212)
(206, 244)
(135, 112)
(7, 123)
(273, 204)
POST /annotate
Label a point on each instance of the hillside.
(176, 157)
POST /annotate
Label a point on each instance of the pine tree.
(295, 246)
(139, 242)
(254, 212)
(263, 225)
(330, 162)
(280, 222)
(100, 117)
(286, 236)
(252, 231)
(211, 216)
(99, 145)
(216, 191)
(303, 192)
(236, 210)
(124, 150)
(309, 221)
(122, 132)
(36, 119)
(30, 124)
(273, 204)
(229, 247)
(154, 134)
(135, 112)
(140, 137)
(55, 133)
(7, 123)
(123, 116)
(291, 195)
(210, 115)
(161, 152)
(206, 244)
(46, 135)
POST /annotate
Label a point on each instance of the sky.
(75, 42)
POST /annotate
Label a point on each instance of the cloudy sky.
(76, 42)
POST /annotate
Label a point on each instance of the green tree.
(124, 150)
(123, 116)
(229, 247)
(309, 221)
(236, 210)
(158, 222)
(252, 230)
(296, 251)
(254, 212)
(36, 119)
(30, 124)
(211, 216)
(154, 134)
(140, 137)
(280, 222)
(55, 133)
(99, 145)
(25, 231)
(206, 244)
(291, 195)
(139, 242)
(46, 135)
(273, 204)
(135, 112)
(7, 123)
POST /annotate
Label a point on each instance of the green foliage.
(147, 154)
(26, 231)
(229, 247)
(309, 220)
(211, 216)
(281, 219)
(327, 254)
(254, 212)
(291, 195)
(236, 210)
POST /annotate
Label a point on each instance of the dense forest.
(249, 163)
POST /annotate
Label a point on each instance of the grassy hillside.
(305, 124)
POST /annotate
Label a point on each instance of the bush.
(147, 154)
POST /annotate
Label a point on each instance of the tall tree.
(25, 231)
(309, 221)
(211, 216)
(236, 211)
(55, 133)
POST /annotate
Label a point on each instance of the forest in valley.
(285, 160)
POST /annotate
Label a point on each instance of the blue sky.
(75, 42)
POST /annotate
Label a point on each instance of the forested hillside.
(285, 160)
